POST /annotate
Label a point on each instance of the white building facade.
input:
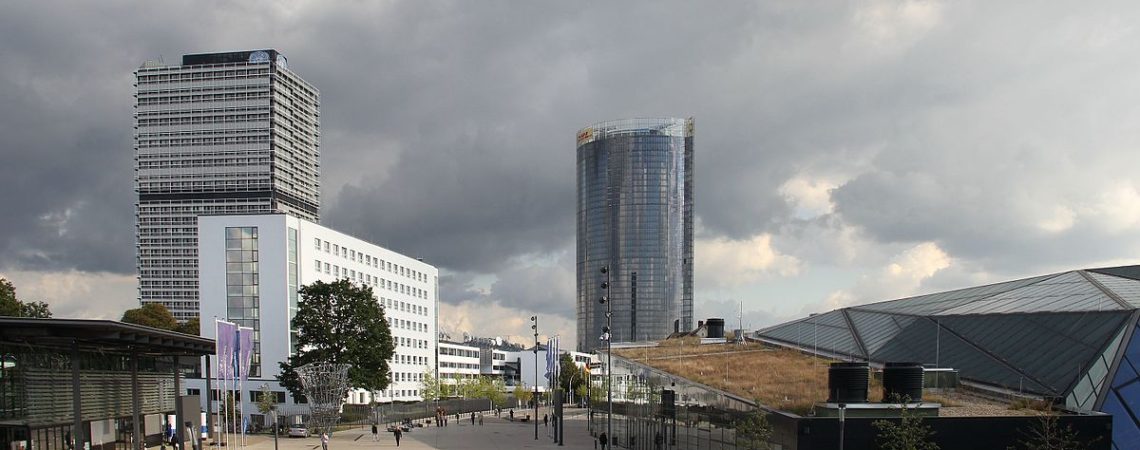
(251, 267)
(457, 363)
(525, 359)
(222, 133)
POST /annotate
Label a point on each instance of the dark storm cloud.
(447, 127)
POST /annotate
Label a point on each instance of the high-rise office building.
(222, 133)
(635, 217)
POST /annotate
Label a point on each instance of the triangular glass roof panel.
(935, 303)
(826, 332)
(877, 329)
(1125, 288)
(1066, 292)
(1054, 349)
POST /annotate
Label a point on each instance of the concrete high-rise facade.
(222, 133)
(635, 217)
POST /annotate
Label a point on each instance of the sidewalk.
(494, 434)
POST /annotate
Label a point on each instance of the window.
(318, 265)
(318, 243)
(326, 244)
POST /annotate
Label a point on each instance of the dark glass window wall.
(635, 216)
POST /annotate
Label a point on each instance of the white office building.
(458, 363)
(221, 133)
(525, 360)
(251, 267)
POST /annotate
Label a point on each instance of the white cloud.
(890, 24)
(901, 277)
(77, 294)
(811, 197)
(488, 319)
(727, 262)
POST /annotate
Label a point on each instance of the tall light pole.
(605, 299)
(534, 326)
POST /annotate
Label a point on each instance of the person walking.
(375, 433)
(604, 440)
(512, 412)
(324, 440)
(546, 420)
(480, 419)
(398, 433)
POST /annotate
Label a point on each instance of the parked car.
(298, 431)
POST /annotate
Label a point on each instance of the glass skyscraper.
(635, 216)
(222, 133)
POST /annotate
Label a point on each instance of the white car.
(298, 431)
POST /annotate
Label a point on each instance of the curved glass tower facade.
(635, 215)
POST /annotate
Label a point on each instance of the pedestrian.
(174, 442)
(398, 433)
(604, 440)
(480, 419)
(324, 440)
(512, 411)
(546, 420)
(375, 433)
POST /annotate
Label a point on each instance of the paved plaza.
(495, 433)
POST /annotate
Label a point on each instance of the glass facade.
(242, 298)
(635, 200)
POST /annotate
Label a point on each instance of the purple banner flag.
(245, 351)
(225, 342)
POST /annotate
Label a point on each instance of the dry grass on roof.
(782, 378)
(778, 377)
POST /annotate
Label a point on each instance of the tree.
(192, 326)
(523, 394)
(1048, 434)
(152, 315)
(430, 388)
(11, 306)
(753, 431)
(266, 400)
(341, 323)
(570, 376)
(908, 434)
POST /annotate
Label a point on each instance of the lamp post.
(605, 299)
(534, 326)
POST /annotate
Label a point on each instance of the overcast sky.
(846, 152)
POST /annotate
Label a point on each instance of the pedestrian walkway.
(496, 433)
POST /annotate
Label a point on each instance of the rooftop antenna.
(740, 324)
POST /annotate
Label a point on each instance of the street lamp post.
(605, 299)
(534, 326)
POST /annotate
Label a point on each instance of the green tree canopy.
(909, 433)
(191, 326)
(11, 306)
(570, 377)
(430, 389)
(152, 315)
(341, 323)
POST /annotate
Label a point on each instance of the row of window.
(145, 77)
(198, 141)
(407, 325)
(201, 98)
(368, 279)
(458, 352)
(409, 342)
(455, 365)
(409, 359)
(368, 260)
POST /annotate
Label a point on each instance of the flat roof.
(100, 335)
